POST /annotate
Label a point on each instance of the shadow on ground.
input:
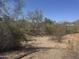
(22, 52)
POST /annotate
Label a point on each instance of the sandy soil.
(57, 50)
(46, 41)
(48, 49)
(47, 54)
(45, 48)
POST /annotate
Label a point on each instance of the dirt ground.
(45, 48)
(46, 54)
(48, 49)
(55, 50)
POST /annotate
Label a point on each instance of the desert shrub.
(59, 31)
(49, 29)
(71, 30)
(10, 36)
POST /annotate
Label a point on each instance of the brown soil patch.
(72, 37)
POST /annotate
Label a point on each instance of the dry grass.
(70, 45)
(45, 53)
(44, 48)
(73, 50)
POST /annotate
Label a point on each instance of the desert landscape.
(42, 47)
(39, 29)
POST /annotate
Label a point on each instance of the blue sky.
(59, 10)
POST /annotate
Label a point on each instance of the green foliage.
(49, 29)
(10, 36)
(71, 30)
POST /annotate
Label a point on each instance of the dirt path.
(46, 42)
(55, 52)
(48, 54)
(45, 48)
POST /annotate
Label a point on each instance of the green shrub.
(49, 29)
(10, 36)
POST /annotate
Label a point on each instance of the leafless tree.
(36, 18)
(11, 8)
